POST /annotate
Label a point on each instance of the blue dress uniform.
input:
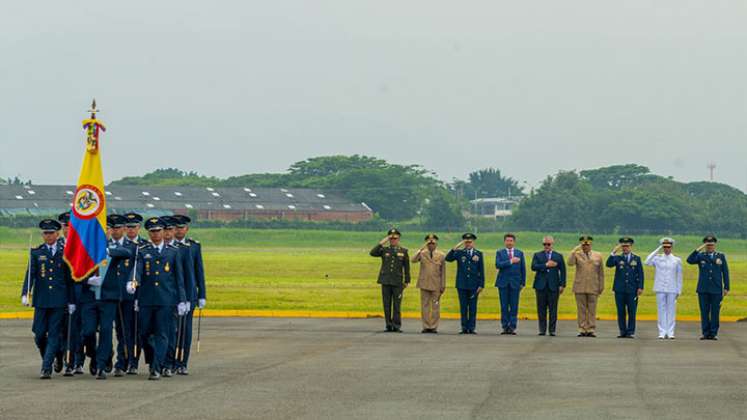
(125, 324)
(52, 291)
(470, 276)
(511, 278)
(713, 279)
(628, 280)
(160, 279)
(195, 292)
(179, 322)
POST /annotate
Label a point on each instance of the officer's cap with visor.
(154, 223)
(431, 237)
(626, 240)
(133, 219)
(710, 239)
(182, 220)
(586, 240)
(115, 220)
(666, 241)
(49, 226)
(469, 237)
(393, 232)
(64, 218)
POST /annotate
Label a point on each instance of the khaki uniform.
(587, 286)
(431, 281)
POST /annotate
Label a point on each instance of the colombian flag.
(86, 243)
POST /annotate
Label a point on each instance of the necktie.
(511, 253)
(549, 256)
(628, 258)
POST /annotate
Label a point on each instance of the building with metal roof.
(205, 203)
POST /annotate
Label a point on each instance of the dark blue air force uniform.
(52, 291)
(173, 361)
(125, 324)
(713, 279)
(511, 278)
(470, 275)
(628, 279)
(160, 288)
(194, 287)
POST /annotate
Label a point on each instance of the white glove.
(95, 281)
(130, 287)
(181, 308)
(136, 308)
(25, 300)
(189, 306)
(71, 309)
(201, 303)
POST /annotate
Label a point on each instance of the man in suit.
(470, 279)
(50, 286)
(588, 284)
(394, 277)
(431, 282)
(628, 285)
(511, 278)
(713, 285)
(549, 283)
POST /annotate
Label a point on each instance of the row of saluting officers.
(549, 267)
(147, 294)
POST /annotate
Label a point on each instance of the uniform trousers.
(627, 305)
(47, 328)
(99, 314)
(154, 323)
(468, 308)
(586, 308)
(125, 327)
(392, 298)
(710, 309)
(666, 305)
(430, 308)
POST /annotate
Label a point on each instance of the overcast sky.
(233, 87)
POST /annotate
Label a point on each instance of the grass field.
(331, 271)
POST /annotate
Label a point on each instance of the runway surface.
(347, 368)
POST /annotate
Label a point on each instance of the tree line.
(625, 198)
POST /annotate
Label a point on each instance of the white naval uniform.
(667, 286)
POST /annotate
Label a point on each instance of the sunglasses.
(546, 244)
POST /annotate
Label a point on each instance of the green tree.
(616, 176)
(441, 211)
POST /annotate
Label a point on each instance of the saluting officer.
(628, 285)
(470, 279)
(195, 291)
(588, 284)
(160, 287)
(713, 285)
(177, 329)
(50, 284)
(127, 360)
(394, 277)
(431, 282)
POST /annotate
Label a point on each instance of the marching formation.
(146, 293)
(549, 267)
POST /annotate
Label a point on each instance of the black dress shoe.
(154, 376)
(132, 371)
(58, 363)
(504, 332)
(182, 371)
(704, 338)
(630, 336)
(714, 338)
(434, 331)
(68, 372)
(101, 374)
(109, 366)
(463, 332)
(541, 333)
(397, 330)
(45, 374)
(388, 328)
(118, 373)
(166, 373)
(472, 332)
(512, 332)
(92, 367)
(425, 331)
(591, 334)
(552, 334)
(622, 336)
(581, 334)
(78, 370)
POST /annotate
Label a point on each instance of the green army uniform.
(393, 276)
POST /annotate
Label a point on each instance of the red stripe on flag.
(76, 256)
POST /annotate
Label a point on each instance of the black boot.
(101, 374)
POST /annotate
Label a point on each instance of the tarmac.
(272, 368)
